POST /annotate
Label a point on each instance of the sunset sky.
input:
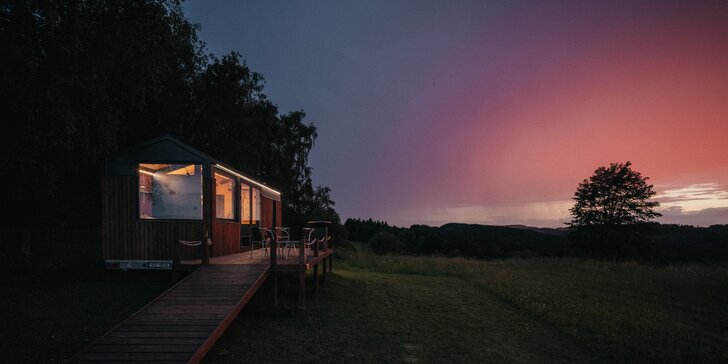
(492, 112)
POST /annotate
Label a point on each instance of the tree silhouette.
(614, 195)
(82, 79)
(611, 211)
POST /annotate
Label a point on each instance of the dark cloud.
(706, 217)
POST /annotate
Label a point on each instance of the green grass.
(50, 317)
(411, 309)
(389, 318)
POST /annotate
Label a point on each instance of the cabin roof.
(168, 149)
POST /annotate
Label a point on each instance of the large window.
(245, 204)
(249, 204)
(224, 201)
(256, 205)
(170, 191)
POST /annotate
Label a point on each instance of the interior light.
(224, 179)
(188, 170)
(146, 172)
(247, 179)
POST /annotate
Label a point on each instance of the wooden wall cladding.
(156, 239)
(118, 225)
(266, 213)
(125, 236)
(226, 238)
(279, 213)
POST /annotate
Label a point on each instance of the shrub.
(384, 242)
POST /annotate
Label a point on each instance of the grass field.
(48, 318)
(412, 309)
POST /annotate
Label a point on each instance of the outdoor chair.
(285, 244)
(260, 237)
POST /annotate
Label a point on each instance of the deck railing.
(307, 242)
(300, 245)
(313, 253)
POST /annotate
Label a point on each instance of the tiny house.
(158, 193)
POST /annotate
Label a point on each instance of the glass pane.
(224, 202)
(245, 204)
(256, 205)
(170, 191)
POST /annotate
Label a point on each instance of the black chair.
(261, 237)
(285, 244)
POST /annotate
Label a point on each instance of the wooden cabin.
(160, 192)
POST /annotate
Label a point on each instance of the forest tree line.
(662, 242)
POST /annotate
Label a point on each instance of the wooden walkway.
(183, 323)
(286, 264)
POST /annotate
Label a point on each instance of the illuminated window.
(224, 201)
(170, 191)
(245, 204)
(249, 204)
(256, 205)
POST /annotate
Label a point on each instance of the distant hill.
(671, 243)
(552, 231)
(512, 241)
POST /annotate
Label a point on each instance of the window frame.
(137, 181)
(251, 221)
(260, 205)
(235, 197)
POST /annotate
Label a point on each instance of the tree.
(81, 79)
(385, 243)
(231, 118)
(614, 195)
(234, 120)
(78, 80)
(611, 210)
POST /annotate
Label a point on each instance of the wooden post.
(302, 289)
(302, 275)
(315, 277)
(331, 256)
(324, 276)
(205, 250)
(273, 250)
(275, 290)
(208, 211)
(302, 255)
(315, 247)
(330, 247)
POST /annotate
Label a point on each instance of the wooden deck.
(259, 256)
(182, 324)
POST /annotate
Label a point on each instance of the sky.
(492, 112)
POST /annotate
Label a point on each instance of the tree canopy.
(79, 80)
(614, 195)
(611, 212)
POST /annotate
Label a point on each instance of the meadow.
(429, 309)
(413, 309)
